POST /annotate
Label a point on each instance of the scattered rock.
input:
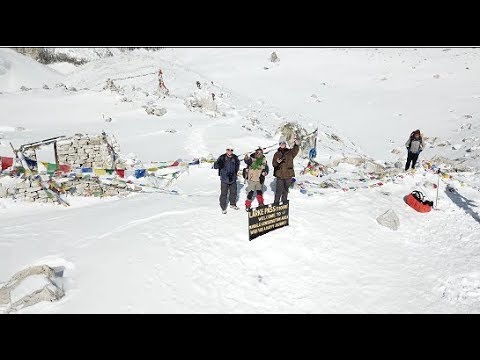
(335, 137)
(110, 85)
(46, 87)
(205, 104)
(389, 219)
(156, 111)
(399, 165)
(436, 76)
(274, 57)
(292, 130)
(20, 128)
(24, 88)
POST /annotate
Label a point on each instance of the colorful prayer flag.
(139, 173)
(6, 162)
(100, 172)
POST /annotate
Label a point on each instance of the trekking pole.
(438, 185)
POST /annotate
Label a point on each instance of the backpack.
(420, 197)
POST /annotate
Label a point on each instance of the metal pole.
(438, 185)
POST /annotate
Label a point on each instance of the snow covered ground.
(164, 253)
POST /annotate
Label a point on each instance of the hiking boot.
(224, 211)
(235, 207)
(260, 200)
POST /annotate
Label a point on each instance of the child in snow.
(256, 171)
(228, 165)
(414, 146)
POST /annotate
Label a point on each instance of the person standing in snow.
(283, 168)
(256, 171)
(228, 165)
(414, 147)
(198, 85)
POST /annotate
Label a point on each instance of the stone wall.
(32, 190)
(86, 151)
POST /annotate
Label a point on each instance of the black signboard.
(264, 219)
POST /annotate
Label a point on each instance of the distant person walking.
(161, 83)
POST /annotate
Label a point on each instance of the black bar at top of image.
(295, 26)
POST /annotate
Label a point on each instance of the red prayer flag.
(6, 162)
(64, 168)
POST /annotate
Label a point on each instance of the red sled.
(416, 201)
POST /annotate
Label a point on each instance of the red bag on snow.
(416, 201)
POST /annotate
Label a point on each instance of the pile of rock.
(27, 190)
(153, 110)
(32, 190)
(292, 130)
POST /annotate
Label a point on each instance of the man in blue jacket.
(228, 165)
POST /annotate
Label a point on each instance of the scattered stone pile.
(33, 191)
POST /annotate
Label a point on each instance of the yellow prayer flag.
(100, 172)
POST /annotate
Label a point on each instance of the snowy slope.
(162, 253)
(375, 96)
(17, 70)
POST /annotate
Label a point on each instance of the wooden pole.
(56, 154)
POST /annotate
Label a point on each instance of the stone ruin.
(35, 190)
(79, 151)
(85, 151)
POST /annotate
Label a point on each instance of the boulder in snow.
(274, 57)
(152, 110)
(292, 130)
(389, 219)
